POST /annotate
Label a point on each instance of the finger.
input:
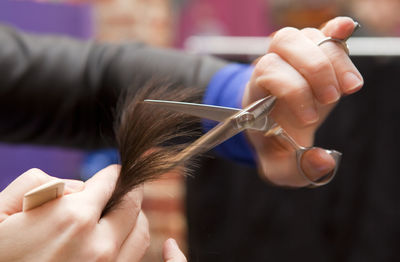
(121, 220)
(350, 79)
(317, 163)
(339, 27)
(99, 188)
(137, 243)
(302, 53)
(11, 197)
(172, 253)
(275, 76)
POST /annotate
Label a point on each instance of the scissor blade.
(216, 113)
(214, 137)
(261, 107)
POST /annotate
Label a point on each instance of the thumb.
(172, 253)
(339, 27)
(317, 163)
(11, 197)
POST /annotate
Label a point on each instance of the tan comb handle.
(43, 194)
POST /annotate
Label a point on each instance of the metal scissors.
(233, 121)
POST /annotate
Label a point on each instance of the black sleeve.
(61, 91)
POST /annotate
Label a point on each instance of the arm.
(302, 75)
(64, 92)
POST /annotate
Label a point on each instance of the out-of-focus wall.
(150, 21)
(377, 17)
(302, 13)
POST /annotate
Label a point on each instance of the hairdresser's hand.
(71, 228)
(308, 80)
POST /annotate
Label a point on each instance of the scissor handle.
(336, 155)
(278, 131)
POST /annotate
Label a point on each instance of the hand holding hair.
(102, 218)
(71, 228)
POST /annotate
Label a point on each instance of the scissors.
(233, 121)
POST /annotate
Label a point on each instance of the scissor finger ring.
(342, 42)
(336, 155)
(339, 41)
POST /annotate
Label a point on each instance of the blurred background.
(166, 23)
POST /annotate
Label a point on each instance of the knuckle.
(259, 70)
(271, 59)
(35, 174)
(267, 61)
(316, 66)
(310, 31)
(35, 171)
(284, 35)
(77, 220)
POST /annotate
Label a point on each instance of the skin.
(307, 79)
(57, 230)
(74, 221)
(172, 253)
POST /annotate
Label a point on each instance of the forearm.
(61, 91)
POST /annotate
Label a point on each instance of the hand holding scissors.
(233, 121)
(306, 73)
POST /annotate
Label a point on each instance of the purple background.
(67, 19)
(56, 18)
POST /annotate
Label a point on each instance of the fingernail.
(357, 25)
(355, 28)
(74, 185)
(318, 163)
(318, 169)
(172, 243)
(351, 82)
(309, 115)
(329, 95)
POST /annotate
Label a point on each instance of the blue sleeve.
(226, 88)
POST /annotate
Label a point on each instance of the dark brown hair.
(149, 137)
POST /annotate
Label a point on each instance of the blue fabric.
(226, 88)
(97, 160)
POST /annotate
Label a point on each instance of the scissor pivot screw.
(245, 120)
